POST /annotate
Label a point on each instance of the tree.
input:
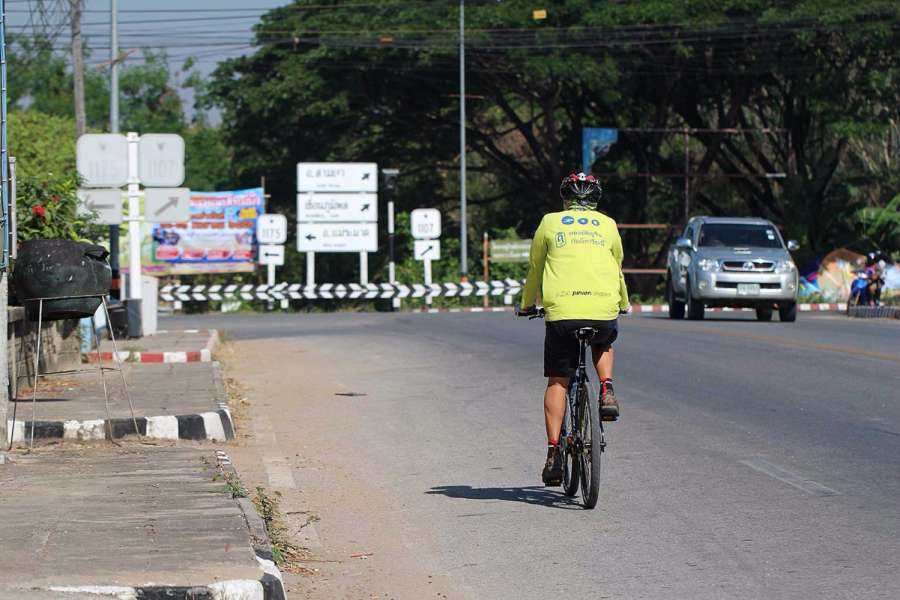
(380, 84)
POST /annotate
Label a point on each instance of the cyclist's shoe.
(553, 468)
(609, 406)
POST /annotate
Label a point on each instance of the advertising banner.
(220, 236)
(595, 143)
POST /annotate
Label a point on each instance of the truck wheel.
(676, 307)
(764, 313)
(695, 308)
(787, 312)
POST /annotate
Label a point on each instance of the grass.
(286, 554)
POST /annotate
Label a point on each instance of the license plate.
(748, 289)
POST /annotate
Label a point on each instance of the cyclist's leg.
(603, 361)
(555, 406)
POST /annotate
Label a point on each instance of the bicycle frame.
(575, 381)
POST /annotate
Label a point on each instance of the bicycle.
(581, 437)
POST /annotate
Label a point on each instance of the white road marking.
(278, 470)
(789, 477)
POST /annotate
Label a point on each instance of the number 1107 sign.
(425, 223)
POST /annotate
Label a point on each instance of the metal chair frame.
(100, 370)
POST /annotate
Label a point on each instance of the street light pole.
(116, 290)
(463, 225)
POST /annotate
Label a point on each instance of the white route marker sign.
(106, 205)
(337, 208)
(102, 160)
(271, 229)
(337, 237)
(425, 223)
(337, 177)
(167, 205)
(161, 160)
(427, 250)
(271, 254)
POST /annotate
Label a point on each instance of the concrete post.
(4, 372)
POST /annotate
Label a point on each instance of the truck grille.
(731, 285)
(748, 266)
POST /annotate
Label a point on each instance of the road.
(753, 460)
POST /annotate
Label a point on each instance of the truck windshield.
(736, 235)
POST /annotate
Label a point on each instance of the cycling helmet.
(580, 191)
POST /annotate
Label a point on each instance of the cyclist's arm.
(535, 268)
(618, 254)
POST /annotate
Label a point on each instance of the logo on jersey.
(568, 220)
(560, 239)
(583, 221)
(595, 223)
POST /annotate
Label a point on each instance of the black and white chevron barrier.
(341, 291)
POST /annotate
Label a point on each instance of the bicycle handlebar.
(535, 312)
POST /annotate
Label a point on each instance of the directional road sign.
(337, 208)
(510, 250)
(271, 254)
(337, 237)
(271, 229)
(428, 250)
(161, 160)
(105, 205)
(337, 177)
(167, 205)
(425, 223)
(102, 160)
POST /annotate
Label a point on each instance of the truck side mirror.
(793, 245)
(683, 243)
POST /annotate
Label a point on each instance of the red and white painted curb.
(638, 308)
(202, 355)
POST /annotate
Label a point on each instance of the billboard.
(595, 143)
(220, 236)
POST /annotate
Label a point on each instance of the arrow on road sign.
(364, 208)
(310, 237)
(173, 202)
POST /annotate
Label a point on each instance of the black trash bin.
(118, 318)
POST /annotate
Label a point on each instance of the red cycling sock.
(552, 443)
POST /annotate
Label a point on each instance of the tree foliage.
(801, 88)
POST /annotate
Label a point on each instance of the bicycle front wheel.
(591, 443)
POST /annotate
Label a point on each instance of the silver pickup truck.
(734, 262)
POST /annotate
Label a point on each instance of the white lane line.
(789, 477)
(278, 469)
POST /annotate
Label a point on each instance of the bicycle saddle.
(586, 333)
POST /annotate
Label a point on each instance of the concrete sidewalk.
(130, 522)
(171, 401)
(189, 345)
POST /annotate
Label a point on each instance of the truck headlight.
(785, 266)
(708, 264)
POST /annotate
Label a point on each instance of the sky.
(206, 30)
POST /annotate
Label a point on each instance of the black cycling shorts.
(561, 345)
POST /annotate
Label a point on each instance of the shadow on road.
(538, 495)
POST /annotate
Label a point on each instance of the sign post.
(271, 233)
(425, 224)
(337, 211)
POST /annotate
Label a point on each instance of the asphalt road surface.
(753, 460)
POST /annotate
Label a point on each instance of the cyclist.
(576, 264)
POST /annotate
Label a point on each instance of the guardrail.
(331, 291)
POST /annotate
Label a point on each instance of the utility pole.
(78, 69)
(463, 224)
(116, 291)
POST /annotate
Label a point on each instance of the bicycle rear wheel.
(592, 443)
(571, 462)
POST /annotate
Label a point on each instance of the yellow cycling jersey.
(576, 264)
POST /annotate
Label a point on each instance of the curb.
(875, 312)
(272, 581)
(203, 355)
(211, 425)
(216, 426)
(636, 308)
(268, 587)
